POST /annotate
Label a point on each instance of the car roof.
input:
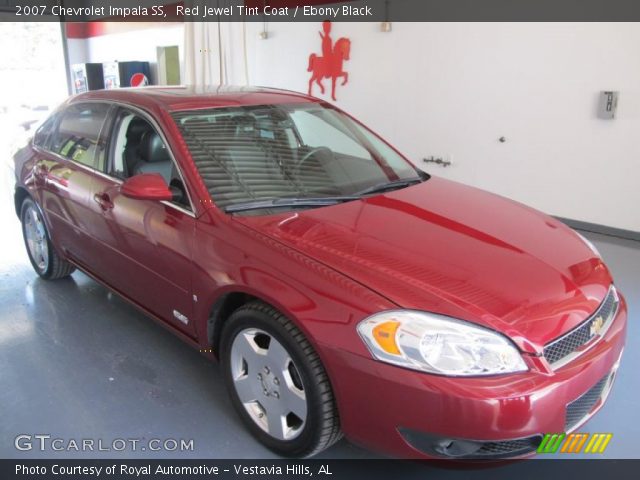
(192, 98)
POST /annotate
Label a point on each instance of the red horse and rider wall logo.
(329, 65)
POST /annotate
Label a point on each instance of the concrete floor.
(78, 362)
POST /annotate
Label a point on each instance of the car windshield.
(255, 159)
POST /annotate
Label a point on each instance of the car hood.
(444, 247)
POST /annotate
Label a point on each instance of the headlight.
(591, 246)
(438, 344)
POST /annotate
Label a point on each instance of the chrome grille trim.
(567, 347)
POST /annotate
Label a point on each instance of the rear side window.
(77, 133)
(41, 138)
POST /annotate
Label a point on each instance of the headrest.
(137, 127)
(152, 149)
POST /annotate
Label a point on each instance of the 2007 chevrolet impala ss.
(342, 289)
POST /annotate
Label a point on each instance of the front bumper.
(387, 408)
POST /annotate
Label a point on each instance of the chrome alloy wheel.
(36, 237)
(268, 383)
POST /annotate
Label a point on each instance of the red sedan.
(342, 289)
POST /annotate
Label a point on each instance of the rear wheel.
(277, 382)
(43, 257)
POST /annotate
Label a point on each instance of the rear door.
(68, 155)
(145, 246)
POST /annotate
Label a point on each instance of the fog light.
(465, 449)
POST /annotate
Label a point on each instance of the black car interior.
(153, 156)
(145, 152)
(137, 127)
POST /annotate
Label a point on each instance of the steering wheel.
(312, 153)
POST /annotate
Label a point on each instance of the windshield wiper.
(394, 185)
(289, 202)
(320, 201)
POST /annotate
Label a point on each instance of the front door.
(146, 246)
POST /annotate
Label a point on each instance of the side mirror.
(146, 186)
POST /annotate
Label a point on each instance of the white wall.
(454, 88)
(77, 49)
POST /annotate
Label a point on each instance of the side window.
(77, 133)
(125, 142)
(136, 148)
(41, 138)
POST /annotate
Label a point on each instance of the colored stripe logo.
(551, 442)
(574, 443)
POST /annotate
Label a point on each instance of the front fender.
(323, 303)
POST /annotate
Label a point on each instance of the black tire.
(53, 267)
(322, 427)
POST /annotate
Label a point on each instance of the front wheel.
(277, 382)
(43, 257)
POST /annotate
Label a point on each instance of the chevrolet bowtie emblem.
(596, 326)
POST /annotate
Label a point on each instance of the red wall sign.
(329, 65)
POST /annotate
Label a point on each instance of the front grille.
(561, 348)
(582, 406)
(509, 448)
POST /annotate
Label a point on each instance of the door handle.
(41, 172)
(103, 200)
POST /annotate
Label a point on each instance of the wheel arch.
(222, 308)
(228, 302)
(18, 197)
